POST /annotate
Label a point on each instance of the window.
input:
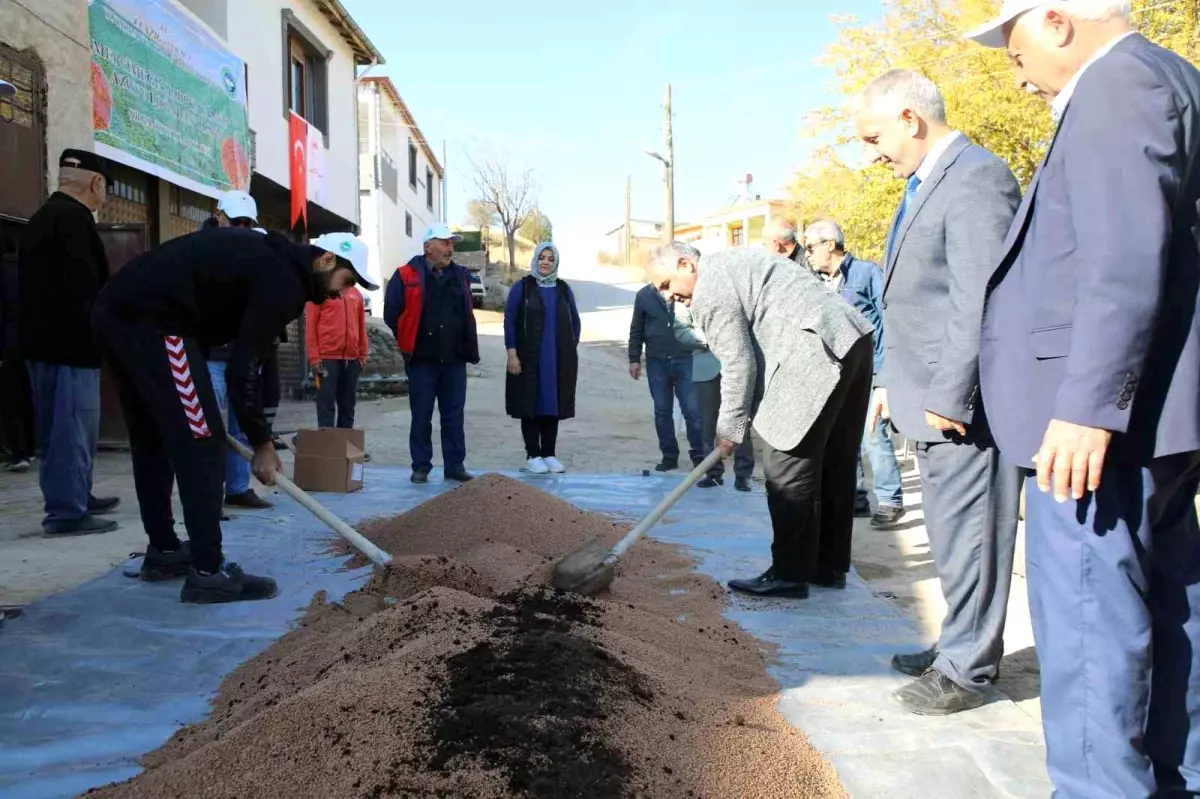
(408, 224)
(412, 165)
(429, 188)
(305, 74)
(737, 236)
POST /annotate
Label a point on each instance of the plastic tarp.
(94, 678)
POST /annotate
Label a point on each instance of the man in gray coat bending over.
(945, 240)
(796, 359)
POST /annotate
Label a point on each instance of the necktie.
(910, 193)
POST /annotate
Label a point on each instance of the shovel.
(355, 539)
(589, 569)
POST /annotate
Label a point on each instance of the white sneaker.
(554, 465)
(18, 467)
(537, 466)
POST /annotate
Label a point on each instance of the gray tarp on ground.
(94, 678)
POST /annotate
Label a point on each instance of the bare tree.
(512, 195)
(480, 214)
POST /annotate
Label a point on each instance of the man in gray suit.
(1090, 366)
(796, 359)
(945, 240)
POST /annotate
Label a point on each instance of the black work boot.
(667, 464)
(710, 481)
(158, 565)
(229, 584)
(459, 475)
(247, 499)
(420, 476)
(935, 694)
(768, 584)
(97, 505)
(742, 484)
(916, 663)
(88, 525)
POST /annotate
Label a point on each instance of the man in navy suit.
(1090, 369)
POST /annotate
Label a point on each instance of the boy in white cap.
(154, 318)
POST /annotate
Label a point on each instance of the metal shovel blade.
(586, 570)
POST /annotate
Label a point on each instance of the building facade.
(644, 236)
(401, 181)
(736, 225)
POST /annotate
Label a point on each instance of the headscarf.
(544, 280)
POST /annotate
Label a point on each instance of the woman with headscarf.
(541, 332)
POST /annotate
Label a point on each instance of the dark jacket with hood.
(61, 268)
(217, 286)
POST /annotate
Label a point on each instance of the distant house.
(400, 180)
(739, 224)
(644, 236)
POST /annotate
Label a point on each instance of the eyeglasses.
(808, 248)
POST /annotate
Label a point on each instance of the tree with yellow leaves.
(982, 100)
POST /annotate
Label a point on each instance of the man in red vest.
(428, 308)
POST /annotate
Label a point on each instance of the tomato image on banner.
(102, 100)
(237, 165)
(298, 163)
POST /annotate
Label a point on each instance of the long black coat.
(521, 391)
(62, 267)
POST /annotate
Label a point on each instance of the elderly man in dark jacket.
(61, 269)
(669, 373)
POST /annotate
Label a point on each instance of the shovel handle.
(652, 518)
(352, 536)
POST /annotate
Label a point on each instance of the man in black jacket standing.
(61, 268)
(669, 373)
(155, 320)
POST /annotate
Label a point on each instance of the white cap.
(352, 249)
(7, 89)
(238, 205)
(991, 34)
(440, 230)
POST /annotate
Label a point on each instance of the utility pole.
(445, 169)
(670, 143)
(628, 202)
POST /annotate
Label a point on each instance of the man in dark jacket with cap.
(156, 318)
(61, 269)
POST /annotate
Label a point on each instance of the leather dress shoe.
(915, 664)
(768, 584)
(742, 484)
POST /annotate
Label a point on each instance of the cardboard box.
(330, 461)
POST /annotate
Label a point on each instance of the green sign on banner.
(168, 97)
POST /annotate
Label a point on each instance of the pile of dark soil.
(455, 674)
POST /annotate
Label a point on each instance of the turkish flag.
(298, 162)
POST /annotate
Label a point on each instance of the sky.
(575, 92)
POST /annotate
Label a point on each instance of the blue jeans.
(667, 375)
(237, 468)
(67, 412)
(885, 469)
(445, 384)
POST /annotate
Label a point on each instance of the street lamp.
(670, 178)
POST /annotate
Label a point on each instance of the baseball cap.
(991, 34)
(350, 248)
(238, 205)
(440, 230)
(85, 160)
(7, 89)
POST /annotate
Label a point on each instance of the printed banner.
(168, 97)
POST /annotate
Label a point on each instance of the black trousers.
(541, 436)
(16, 409)
(176, 434)
(810, 489)
(338, 394)
(271, 392)
(709, 394)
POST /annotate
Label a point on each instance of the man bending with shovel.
(797, 360)
(156, 320)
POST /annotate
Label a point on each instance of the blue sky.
(575, 91)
